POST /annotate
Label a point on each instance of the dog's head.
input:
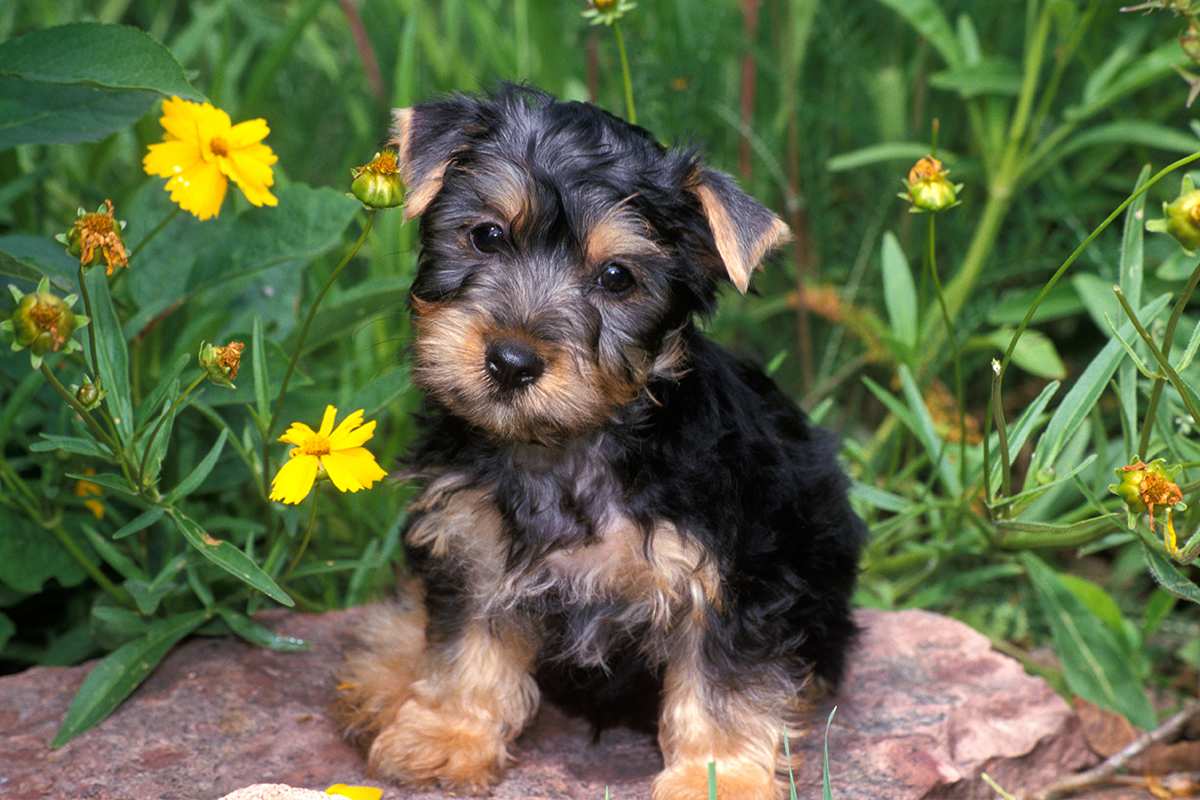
(563, 252)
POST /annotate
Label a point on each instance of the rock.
(926, 708)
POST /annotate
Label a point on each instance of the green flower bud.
(95, 235)
(222, 363)
(1181, 217)
(606, 12)
(929, 187)
(88, 394)
(43, 322)
(377, 184)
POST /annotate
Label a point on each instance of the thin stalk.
(308, 320)
(141, 473)
(957, 356)
(78, 408)
(308, 532)
(997, 411)
(630, 111)
(157, 229)
(1169, 339)
(89, 566)
(1162, 360)
(91, 328)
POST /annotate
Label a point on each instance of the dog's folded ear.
(425, 137)
(743, 230)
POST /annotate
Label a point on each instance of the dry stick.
(1101, 773)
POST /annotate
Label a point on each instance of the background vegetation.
(1048, 112)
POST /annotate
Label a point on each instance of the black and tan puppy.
(614, 508)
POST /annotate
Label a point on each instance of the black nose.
(513, 365)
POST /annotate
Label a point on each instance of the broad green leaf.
(69, 444)
(939, 454)
(342, 316)
(1098, 300)
(1095, 666)
(91, 54)
(32, 112)
(14, 267)
(112, 353)
(229, 558)
(1128, 133)
(927, 18)
(260, 635)
(30, 556)
(140, 522)
(904, 152)
(1101, 603)
(1035, 352)
(383, 390)
(1167, 575)
(122, 671)
(113, 626)
(1078, 402)
(201, 471)
(44, 255)
(989, 76)
(899, 293)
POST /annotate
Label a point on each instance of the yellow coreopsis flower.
(203, 150)
(336, 452)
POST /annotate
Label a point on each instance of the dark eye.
(616, 279)
(488, 237)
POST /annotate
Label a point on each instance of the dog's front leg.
(732, 714)
(474, 696)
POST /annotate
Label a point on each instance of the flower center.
(384, 164)
(317, 446)
(45, 317)
(98, 225)
(219, 146)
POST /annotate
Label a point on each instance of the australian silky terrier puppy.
(616, 512)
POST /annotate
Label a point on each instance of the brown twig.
(365, 51)
(1105, 771)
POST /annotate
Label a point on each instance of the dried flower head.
(43, 322)
(94, 235)
(222, 363)
(377, 183)
(1145, 487)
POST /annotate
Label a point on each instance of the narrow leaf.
(140, 522)
(260, 635)
(899, 293)
(199, 472)
(112, 353)
(229, 558)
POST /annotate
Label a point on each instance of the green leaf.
(151, 452)
(1129, 133)
(69, 444)
(878, 498)
(122, 671)
(45, 256)
(935, 448)
(1035, 352)
(7, 629)
(112, 556)
(994, 76)
(140, 522)
(262, 386)
(826, 788)
(32, 112)
(112, 353)
(91, 54)
(1098, 299)
(1142, 72)
(229, 558)
(1078, 402)
(344, 315)
(18, 268)
(163, 391)
(30, 556)
(1095, 666)
(899, 293)
(1054, 534)
(113, 626)
(260, 635)
(904, 152)
(1061, 302)
(1167, 575)
(1131, 278)
(927, 18)
(201, 471)
(1029, 421)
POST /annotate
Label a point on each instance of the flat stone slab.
(926, 707)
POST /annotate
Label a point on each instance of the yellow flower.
(91, 491)
(202, 151)
(338, 453)
(354, 792)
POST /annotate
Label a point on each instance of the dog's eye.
(488, 237)
(616, 279)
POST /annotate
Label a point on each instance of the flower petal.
(167, 159)
(249, 132)
(295, 479)
(353, 420)
(179, 119)
(353, 469)
(252, 177)
(199, 189)
(298, 433)
(327, 422)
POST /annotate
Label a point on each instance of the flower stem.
(630, 111)
(91, 328)
(164, 222)
(141, 473)
(291, 368)
(308, 532)
(1158, 354)
(1157, 389)
(953, 334)
(90, 421)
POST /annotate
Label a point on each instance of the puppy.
(613, 507)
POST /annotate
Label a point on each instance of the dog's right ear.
(426, 137)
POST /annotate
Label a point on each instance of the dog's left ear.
(743, 230)
(425, 137)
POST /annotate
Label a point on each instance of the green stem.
(630, 111)
(91, 328)
(308, 531)
(1158, 354)
(1168, 340)
(997, 412)
(175, 404)
(291, 368)
(90, 567)
(70, 400)
(157, 229)
(957, 356)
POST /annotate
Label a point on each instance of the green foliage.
(1051, 121)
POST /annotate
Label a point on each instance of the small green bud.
(1181, 217)
(929, 187)
(88, 394)
(377, 184)
(43, 322)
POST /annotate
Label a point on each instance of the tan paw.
(427, 745)
(688, 780)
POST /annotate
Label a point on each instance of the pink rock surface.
(926, 707)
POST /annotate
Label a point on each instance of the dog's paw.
(427, 744)
(688, 780)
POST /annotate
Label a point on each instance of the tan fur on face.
(619, 233)
(505, 187)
